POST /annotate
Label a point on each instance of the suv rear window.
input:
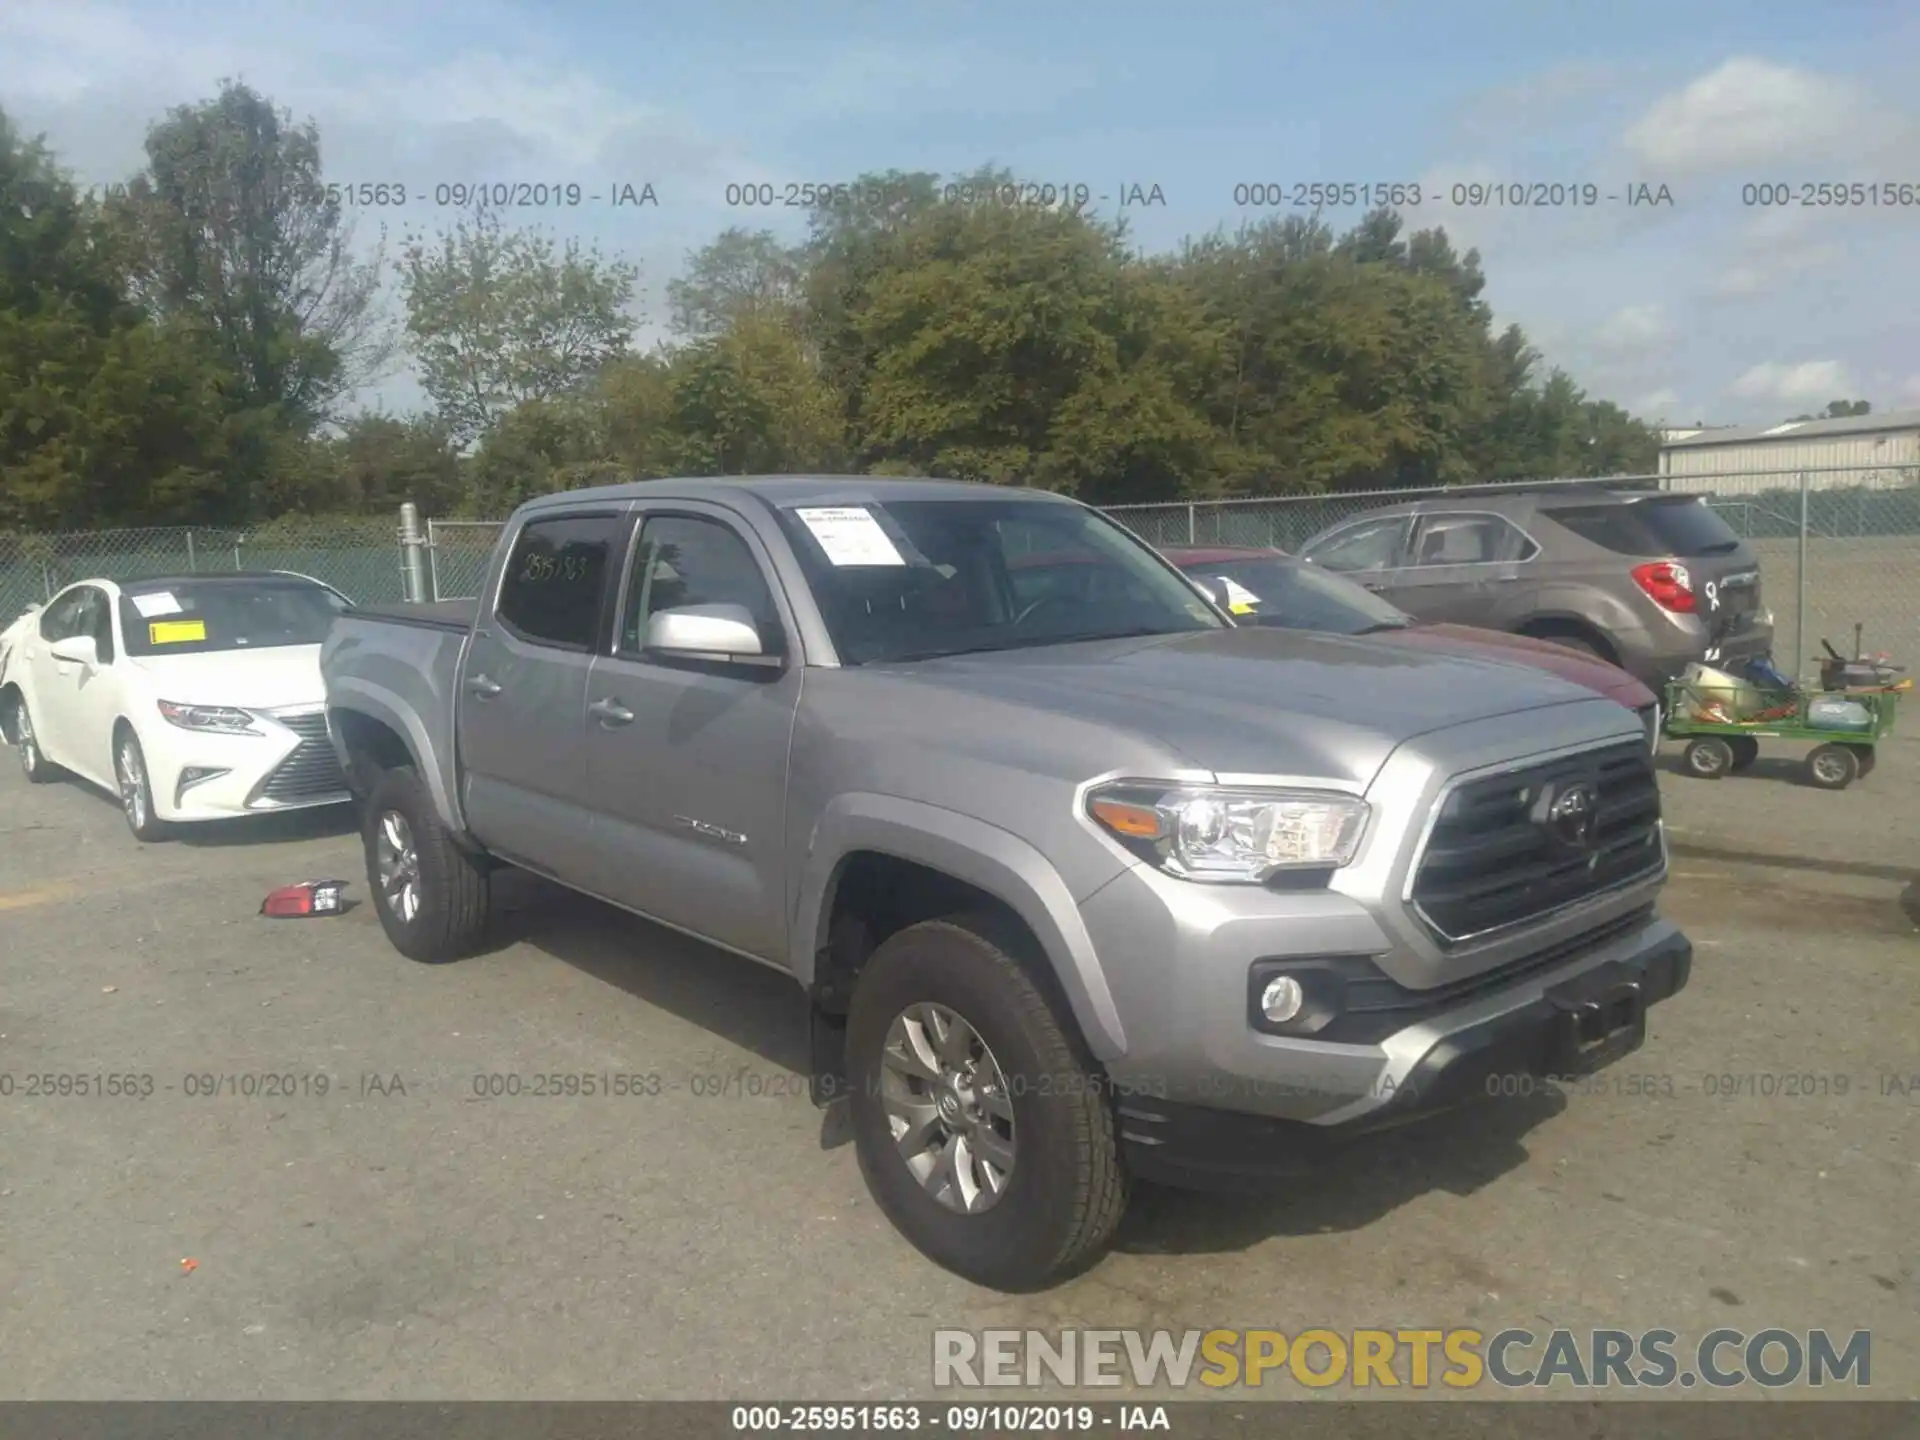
(1650, 527)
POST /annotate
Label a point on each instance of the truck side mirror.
(709, 631)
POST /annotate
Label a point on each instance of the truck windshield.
(199, 616)
(920, 579)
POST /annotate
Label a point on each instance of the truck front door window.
(687, 560)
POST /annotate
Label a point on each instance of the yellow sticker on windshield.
(176, 632)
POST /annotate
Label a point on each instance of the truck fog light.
(1282, 999)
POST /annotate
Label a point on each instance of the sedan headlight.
(1212, 833)
(208, 719)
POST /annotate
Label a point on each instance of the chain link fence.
(360, 556)
(1838, 547)
(457, 552)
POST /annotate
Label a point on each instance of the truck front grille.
(311, 771)
(1511, 848)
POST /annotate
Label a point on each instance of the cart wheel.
(1833, 767)
(1866, 755)
(1709, 757)
(1745, 749)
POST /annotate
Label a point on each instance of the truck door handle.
(610, 712)
(483, 688)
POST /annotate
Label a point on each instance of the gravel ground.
(402, 1237)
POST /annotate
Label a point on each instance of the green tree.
(105, 417)
(752, 401)
(741, 273)
(1840, 410)
(373, 464)
(231, 228)
(499, 317)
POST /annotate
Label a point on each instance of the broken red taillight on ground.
(309, 897)
(1669, 585)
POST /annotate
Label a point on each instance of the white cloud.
(1658, 405)
(1808, 382)
(96, 75)
(1537, 102)
(1751, 113)
(870, 80)
(487, 104)
(1910, 390)
(1634, 331)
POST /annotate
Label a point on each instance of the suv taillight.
(1669, 585)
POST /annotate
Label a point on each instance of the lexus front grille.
(311, 770)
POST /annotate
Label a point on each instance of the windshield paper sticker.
(176, 632)
(161, 602)
(1240, 600)
(850, 535)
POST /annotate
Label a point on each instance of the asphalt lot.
(429, 1243)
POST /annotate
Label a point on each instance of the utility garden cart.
(1844, 721)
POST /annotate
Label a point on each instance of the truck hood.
(1252, 701)
(1582, 669)
(268, 679)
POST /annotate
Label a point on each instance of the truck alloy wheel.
(981, 1124)
(949, 1106)
(433, 898)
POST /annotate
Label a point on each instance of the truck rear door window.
(556, 579)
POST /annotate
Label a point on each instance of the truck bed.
(433, 615)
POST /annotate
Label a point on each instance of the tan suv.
(1647, 580)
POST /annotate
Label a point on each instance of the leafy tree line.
(181, 348)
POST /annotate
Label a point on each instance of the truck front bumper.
(1568, 1022)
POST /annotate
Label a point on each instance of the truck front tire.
(983, 1129)
(433, 897)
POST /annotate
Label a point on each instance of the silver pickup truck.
(1083, 883)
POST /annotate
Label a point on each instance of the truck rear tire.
(983, 1128)
(433, 898)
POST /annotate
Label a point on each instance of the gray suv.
(1647, 580)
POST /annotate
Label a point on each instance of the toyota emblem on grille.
(1570, 815)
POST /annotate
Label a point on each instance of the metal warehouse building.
(1877, 451)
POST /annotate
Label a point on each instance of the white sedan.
(191, 697)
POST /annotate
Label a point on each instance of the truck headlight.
(208, 719)
(1208, 832)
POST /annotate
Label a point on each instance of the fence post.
(1800, 600)
(413, 573)
(433, 561)
(1190, 522)
(46, 578)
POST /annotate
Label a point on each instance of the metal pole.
(1800, 603)
(412, 543)
(46, 579)
(1190, 524)
(433, 560)
(190, 565)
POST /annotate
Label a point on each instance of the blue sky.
(1704, 310)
